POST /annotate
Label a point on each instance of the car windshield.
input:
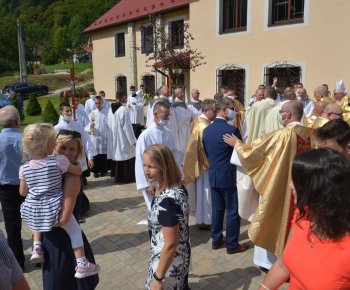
(3, 97)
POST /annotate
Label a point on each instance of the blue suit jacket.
(222, 173)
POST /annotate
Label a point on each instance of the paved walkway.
(122, 248)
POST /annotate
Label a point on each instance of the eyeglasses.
(65, 132)
(166, 116)
(280, 111)
(198, 93)
(338, 114)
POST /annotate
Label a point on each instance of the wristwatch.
(158, 279)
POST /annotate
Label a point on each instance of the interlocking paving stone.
(122, 248)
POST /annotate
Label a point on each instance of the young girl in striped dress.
(41, 183)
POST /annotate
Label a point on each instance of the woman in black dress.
(59, 266)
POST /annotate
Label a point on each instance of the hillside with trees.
(55, 25)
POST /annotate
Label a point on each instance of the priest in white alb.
(194, 105)
(135, 107)
(183, 119)
(80, 114)
(196, 168)
(98, 119)
(121, 141)
(156, 133)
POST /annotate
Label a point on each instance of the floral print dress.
(170, 208)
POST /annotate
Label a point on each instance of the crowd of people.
(202, 158)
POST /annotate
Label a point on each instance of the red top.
(323, 267)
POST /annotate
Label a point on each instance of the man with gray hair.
(196, 168)
(320, 94)
(183, 120)
(10, 161)
(194, 105)
(222, 178)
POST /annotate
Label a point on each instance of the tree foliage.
(15, 102)
(33, 108)
(50, 114)
(54, 24)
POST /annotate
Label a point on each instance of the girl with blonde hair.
(41, 183)
(167, 222)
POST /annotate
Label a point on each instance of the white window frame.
(267, 18)
(116, 84)
(168, 28)
(246, 81)
(114, 40)
(219, 23)
(140, 39)
(302, 65)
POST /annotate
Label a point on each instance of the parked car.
(4, 101)
(81, 94)
(27, 88)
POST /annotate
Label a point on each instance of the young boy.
(99, 139)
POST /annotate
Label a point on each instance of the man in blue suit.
(222, 178)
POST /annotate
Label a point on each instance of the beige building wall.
(320, 45)
(107, 66)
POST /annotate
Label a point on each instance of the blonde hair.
(35, 138)
(165, 161)
(65, 138)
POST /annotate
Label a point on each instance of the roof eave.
(135, 19)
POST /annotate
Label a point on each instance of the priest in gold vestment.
(240, 110)
(343, 96)
(318, 110)
(320, 94)
(268, 162)
(196, 168)
(330, 112)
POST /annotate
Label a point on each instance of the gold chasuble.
(195, 158)
(343, 103)
(319, 122)
(268, 162)
(309, 122)
(238, 121)
(325, 99)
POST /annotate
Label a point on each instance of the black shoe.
(84, 180)
(262, 269)
(96, 175)
(102, 174)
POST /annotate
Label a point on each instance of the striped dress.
(43, 201)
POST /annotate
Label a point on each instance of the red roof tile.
(127, 10)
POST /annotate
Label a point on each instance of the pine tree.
(16, 103)
(50, 114)
(65, 99)
(33, 108)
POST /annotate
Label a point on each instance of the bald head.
(332, 112)
(296, 111)
(319, 108)
(320, 92)
(289, 95)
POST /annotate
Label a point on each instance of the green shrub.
(65, 99)
(33, 108)
(50, 114)
(83, 101)
(147, 98)
(15, 102)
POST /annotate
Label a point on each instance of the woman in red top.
(317, 253)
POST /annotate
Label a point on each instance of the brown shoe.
(241, 248)
(84, 180)
(205, 227)
(221, 243)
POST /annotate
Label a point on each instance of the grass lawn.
(51, 80)
(78, 67)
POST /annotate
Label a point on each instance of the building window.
(235, 15)
(233, 77)
(149, 82)
(122, 84)
(178, 81)
(287, 74)
(177, 34)
(119, 44)
(147, 39)
(287, 11)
